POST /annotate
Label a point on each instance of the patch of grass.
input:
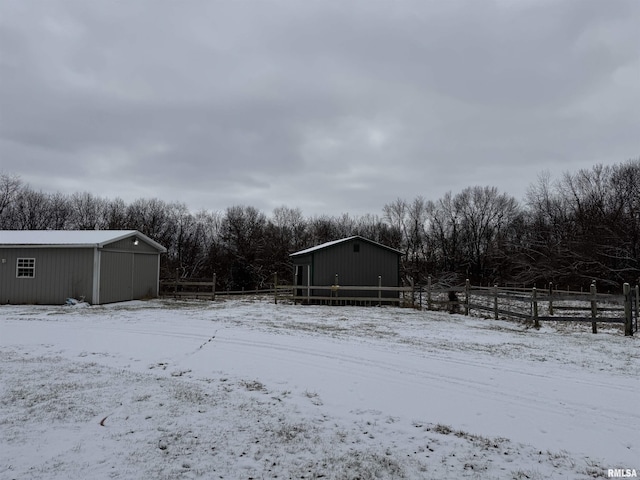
(358, 465)
(560, 459)
(253, 385)
(526, 475)
(313, 396)
(593, 470)
(189, 393)
(290, 432)
(442, 429)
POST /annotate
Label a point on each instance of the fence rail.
(533, 304)
(205, 289)
(345, 294)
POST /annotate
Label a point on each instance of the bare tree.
(291, 227)
(395, 213)
(151, 217)
(584, 227)
(115, 213)
(243, 241)
(322, 229)
(60, 211)
(444, 231)
(625, 185)
(87, 211)
(30, 210)
(186, 250)
(484, 213)
(10, 185)
(412, 220)
(376, 229)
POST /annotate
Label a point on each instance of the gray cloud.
(330, 106)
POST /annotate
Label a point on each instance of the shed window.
(26, 268)
(356, 247)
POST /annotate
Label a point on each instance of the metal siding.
(361, 268)
(124, 271)
(128, 276)
(145, 278)
(116, 276)
(128, 271)
(60, 273)
(126, 245)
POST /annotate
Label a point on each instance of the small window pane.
(26, 268)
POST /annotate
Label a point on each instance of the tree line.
(581, 227)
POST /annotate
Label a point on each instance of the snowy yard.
(245, 389)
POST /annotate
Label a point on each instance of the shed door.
(116, 277)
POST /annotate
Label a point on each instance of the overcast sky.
(330, 106)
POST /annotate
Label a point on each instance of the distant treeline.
(584, 226)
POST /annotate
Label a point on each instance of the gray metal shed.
(357, 261)
(100, 266)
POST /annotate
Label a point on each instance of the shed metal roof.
(342, 240)
(70, 238)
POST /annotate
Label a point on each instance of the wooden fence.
(538, 305)
(202, 289)
(335, 294)
(346, 295)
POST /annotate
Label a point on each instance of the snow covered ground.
(245, 389)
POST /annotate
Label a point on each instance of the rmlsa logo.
(622, 473)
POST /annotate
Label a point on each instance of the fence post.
(213, 288)
(594, 307)
(637, 305)
(275, 288)
(175, 287)
(309, 285)
(628, 323)
(551, 298)
(413, 293)
(379, 290)
(534, 301)
(495, 301)
(467, 288)
(429, 292)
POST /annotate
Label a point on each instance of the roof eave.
(330, 244)
(134, 233)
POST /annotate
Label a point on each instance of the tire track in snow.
(405, 374)
(425, 378)
(420, 377)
